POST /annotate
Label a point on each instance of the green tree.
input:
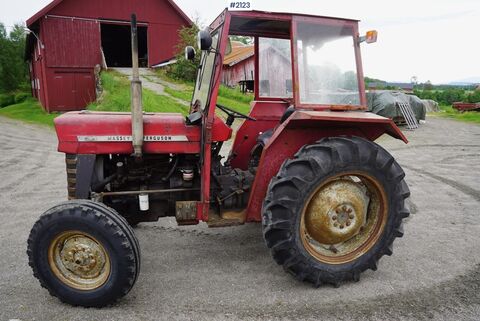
(3, 52)
(13, 68)
(473, 97)
(451, 95)
(242, 39)
(183, 68)
(428, 85)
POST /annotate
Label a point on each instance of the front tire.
(334, 210)
(84, 253)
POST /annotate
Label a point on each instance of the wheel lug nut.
(348, 223)
(344, 208)
(334, 217)
(349, 210)
(351, 216)
(342, 226)
(335, 224)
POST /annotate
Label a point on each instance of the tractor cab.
(306, 61)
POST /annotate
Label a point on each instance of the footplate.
(228, 218)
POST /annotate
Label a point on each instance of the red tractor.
(303, 163)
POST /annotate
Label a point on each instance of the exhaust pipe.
(136, 95)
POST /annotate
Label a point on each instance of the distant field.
(469, 116)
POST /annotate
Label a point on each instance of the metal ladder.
(408, 114)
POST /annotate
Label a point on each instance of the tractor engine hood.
(87, 132)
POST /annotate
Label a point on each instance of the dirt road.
(196, 273)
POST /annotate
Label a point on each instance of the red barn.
(70, 37)
(239, 64)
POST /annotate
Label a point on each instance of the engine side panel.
(307, 127)
(110, 133)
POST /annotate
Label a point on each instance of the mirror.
(189, 53)
(229, 47)
(204, 40)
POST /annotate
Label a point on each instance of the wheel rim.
(79, 260)
(343, 218)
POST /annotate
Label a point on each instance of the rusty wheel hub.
(343, 218)
(79, 260)
(336, 212)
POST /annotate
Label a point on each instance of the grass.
(230, 97)
(469, 116)
(116, 97)
(29, 111)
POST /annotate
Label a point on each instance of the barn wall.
(232, 75)
(72, 43)
(275, 74)
(163, 20)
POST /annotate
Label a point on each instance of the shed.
(239, 64)
(70, 37)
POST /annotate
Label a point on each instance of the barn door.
(63, 96)
(72, 90)
(85, 89)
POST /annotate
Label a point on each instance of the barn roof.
(55, 3)
(238, 54)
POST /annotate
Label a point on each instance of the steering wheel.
(232, 114)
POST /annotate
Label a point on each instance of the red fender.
(307, 127)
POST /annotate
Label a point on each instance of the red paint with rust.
(267, 115)
(307, 127)
(304, 126)
(73, 124)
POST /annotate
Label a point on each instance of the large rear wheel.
(84, 253)
(335, 209)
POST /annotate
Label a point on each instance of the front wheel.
(84, 253)
(335, 209)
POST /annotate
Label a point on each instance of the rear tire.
(320, 173)
(84, 253)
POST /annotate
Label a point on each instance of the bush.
(21, 97)
(474, 97)
(443, 97)
(6, 100)
(184, 69)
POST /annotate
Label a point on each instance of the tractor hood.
(87, 132)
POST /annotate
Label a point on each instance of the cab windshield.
(206, 70)
(326, 64)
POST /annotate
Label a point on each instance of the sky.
(434, 40)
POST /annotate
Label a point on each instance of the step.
(227, 218)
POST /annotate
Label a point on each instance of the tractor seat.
(264, 137)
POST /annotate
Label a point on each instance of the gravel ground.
(196, 273)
